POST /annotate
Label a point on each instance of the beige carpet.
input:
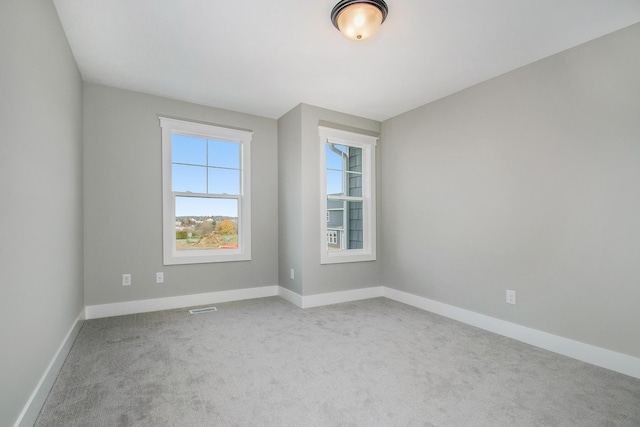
(369, 363)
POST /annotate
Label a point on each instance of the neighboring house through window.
(206, 193)
(347, 196)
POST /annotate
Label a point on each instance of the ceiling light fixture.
(359, 19)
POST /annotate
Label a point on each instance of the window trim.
(171, 256)
(368, 145)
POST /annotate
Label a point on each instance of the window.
(348, 226)
(205, 193)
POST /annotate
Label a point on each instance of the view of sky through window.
(205, 166)
(335, 168)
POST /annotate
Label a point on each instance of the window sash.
(239, 225)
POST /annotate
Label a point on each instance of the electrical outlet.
(292, 274)
(511, 297)
(126, 280)
(159, 277)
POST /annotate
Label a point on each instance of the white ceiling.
(265, 57)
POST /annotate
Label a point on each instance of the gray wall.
(305, 159)
(330, 277)
(530, 181)
(41, 185)
(289, 199)
(123, 200)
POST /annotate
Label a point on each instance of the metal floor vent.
(203, 310)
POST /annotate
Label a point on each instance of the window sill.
(339, 257)
(202, 257)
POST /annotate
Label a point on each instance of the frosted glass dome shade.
(359, 20)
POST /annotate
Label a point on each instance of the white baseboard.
(290, 296)
(338, 297)
(319, 300)
(36, 401)
(598, 356)
(169, 303)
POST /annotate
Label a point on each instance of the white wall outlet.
(292, 274)
(159, 277)
(511, 297)
(126, 280)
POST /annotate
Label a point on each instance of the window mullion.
(207, 163)
(207, 195)
(346, 198)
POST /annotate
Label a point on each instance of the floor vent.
(203, 310)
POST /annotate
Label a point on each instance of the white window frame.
(171, 256)
(368, 145)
